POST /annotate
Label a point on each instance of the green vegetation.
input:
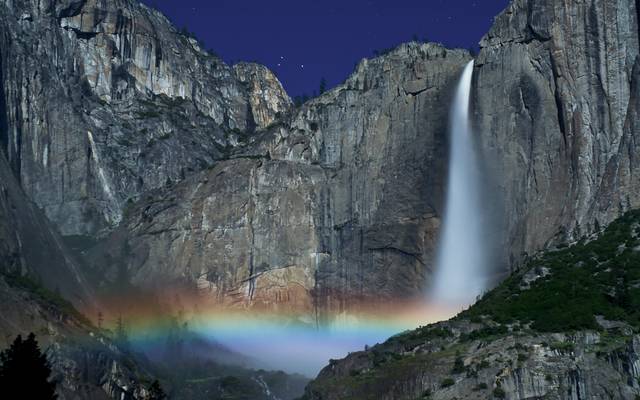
(485, 333)
(421, 335)
(235, 388)
(379, 357)
(323, 85)
(156, 392)
(43, 294)
(25, 370)
(301, 99)
(564, 291)
(562, 347)
(147, 114)
(599, 277)
(499, 393)
(447, 383)
(458, 365)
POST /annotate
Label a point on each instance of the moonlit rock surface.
(461, 260)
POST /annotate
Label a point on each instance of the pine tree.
(121, 338)
(458, 365)
(156, 392)
(25, 370)
(323, 85)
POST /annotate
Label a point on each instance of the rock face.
(556, 103)
(201, 174)
(522, 367)
(267, 100)
(104, 100)
(29, 245)
(336, 206)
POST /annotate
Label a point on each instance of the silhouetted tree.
(323, 85)
(25, 370)
(156, 392)
(184, 31)
(458, 365)
(121, 338)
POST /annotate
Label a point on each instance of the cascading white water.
(460, 274)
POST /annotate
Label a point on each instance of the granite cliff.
(123, 129)
(340, 201)
(163, 165)
(556, 104)
(104, 100)
(326, 210)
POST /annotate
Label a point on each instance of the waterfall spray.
(460, 274)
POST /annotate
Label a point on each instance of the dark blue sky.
(305, 40)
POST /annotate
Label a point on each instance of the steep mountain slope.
(85, 363)
(104, 100)
(32, 256)
(565, 326)
(29, 245)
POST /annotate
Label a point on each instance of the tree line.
(25, 373)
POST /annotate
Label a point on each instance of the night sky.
(303, 41)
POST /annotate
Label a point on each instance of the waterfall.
(461, 265)
(113, 215)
